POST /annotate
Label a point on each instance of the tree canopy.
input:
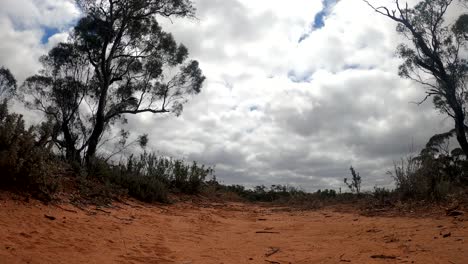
(436, 57)
(7, 84)
(118, 61)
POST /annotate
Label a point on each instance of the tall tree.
(118, 61)
(59, 92)
(437, 56)
(7, 84)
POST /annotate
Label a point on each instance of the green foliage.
(150, 177)
(177, 175)
(7, 84)
(382, 195)
(432, 175)
(439, 50)
(121, 179)
(261, 193)
(24, 163)
(118, 62)
(326, 194)
(144, 188)
(355, 184)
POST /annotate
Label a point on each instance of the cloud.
(28, 28)
(272, 110)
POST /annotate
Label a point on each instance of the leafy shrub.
(146, 188)
(149, 177)
(382, 195)
(326, 194)
(188, 178)
(177, 175)
(25, 163)
(261, 193)
(355, 184)
(429, 176)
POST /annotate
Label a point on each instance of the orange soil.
(221, 233)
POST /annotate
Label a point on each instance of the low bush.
(25, 163)
(429, 177)
(150, 177)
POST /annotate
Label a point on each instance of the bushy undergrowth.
(151, 178)
(25, 163)
(433, 175)
(259, 193)
(28, 163)
(279, 194)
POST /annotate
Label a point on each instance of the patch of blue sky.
(49, 30)
(319, 19)
(48, 33)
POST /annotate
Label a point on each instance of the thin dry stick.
(104, 211)
(381, 256)
(125, 246)
(272, 252)
(65, 209)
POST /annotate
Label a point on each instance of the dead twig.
(65, 209)
(381, 256)
(123, 219)
(446, 235)
(267, 232)
(50, 217)
(272, 252)
(99, 209)
(344, 260)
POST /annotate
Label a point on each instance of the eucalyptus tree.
(7, 84)
(437, 55)
(117, 62)
(59, 92)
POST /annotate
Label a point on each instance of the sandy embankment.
(221, 233)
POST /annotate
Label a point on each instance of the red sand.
(221, 233)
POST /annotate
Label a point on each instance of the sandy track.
(221, 233)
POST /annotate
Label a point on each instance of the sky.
(297, 91)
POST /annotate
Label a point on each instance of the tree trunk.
(459, 118)
(94, 141)
(71, 153)
(461, 130)
(98, 127)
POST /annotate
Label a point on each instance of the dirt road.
(221, 233)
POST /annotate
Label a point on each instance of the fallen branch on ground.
(272, 252)
(99, 209)
(49, 217)
(381, 256)
(65, 209)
